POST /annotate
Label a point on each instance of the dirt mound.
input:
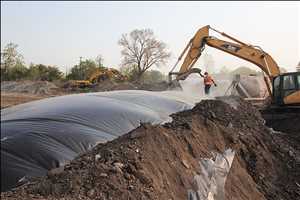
(32, 87)
(160, 162)
(285, 120)
(159, 86)
(109, 85)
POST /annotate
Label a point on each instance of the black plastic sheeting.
(45, 134)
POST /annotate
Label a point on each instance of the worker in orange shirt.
(208, 81)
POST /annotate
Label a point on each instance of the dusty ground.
(109, 85)
(30, 87)
(14, 93)
(11, 99)
(159, 162)
(18, 92)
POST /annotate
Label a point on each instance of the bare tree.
(10, 58)
(142, 50)
(10, 55)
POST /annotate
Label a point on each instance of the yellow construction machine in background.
(99, 75)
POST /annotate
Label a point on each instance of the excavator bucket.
(181, 76)
(174, 85)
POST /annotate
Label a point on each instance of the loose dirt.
(160, 162)
(109, 85)
(18, 92)
(9, 99)
(29, 87)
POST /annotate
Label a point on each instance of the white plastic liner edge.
(211, 181)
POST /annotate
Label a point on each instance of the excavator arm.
(196, 45)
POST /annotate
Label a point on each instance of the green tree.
(141, 49)
(130, 71)
(82, 71)
(10, 58)
(44, 73)
(54, 73)
(153, 76)
(33, 72)
(18, 72)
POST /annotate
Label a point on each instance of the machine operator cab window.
(285, 85)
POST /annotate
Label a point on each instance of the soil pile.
(31, 87)
(109, 85)
(285, 120)
(18, 92)
(160, 162)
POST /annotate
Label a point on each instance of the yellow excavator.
(98, 76)
(283, 88)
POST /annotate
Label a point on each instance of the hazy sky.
(58, 33)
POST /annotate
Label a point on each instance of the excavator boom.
(235, 47)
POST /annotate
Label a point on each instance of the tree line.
(141, 50)
(13, 67)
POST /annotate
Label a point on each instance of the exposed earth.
(160, 162)
(17, 92)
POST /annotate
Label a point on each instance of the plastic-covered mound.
(45, 134)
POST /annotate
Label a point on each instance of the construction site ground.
(160, 162)
(17, 92)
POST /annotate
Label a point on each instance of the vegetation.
(153, 76)
(141, 50)
(13, 67)
(12, 63)
(130, 72)
(83, 70)
(42, 72)
(150, 76)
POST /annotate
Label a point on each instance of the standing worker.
(208, 81)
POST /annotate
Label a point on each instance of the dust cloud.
(193, 89)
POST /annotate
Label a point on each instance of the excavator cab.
(286, 88)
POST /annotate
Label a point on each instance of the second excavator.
(283, 88)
